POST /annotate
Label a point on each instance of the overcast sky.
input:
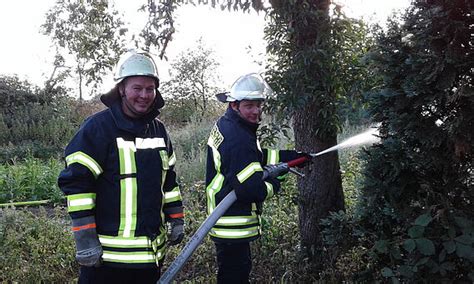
(27, 53)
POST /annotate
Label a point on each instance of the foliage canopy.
(415, 215)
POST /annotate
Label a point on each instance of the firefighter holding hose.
(235, 161)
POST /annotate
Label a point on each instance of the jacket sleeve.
(173, 205)
(85, 156)
(247, 173)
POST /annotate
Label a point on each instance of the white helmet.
(135, 63)
(248, 87)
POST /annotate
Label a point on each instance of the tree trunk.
(309, 80)
(321, 188)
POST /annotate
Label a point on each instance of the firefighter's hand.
(90, 257)
(176, 231)
(276, 184)
(274, 171)
(88, 247)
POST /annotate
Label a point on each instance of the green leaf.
(422, 261)
(442, 255)
(425, 246)
(406, 271)
(464, 251)
(387, 272)
(451, 232)
(395, 252)
(464, 223)
(409, 245)
(450, 246)
(448, 266)
(465, 239)
(416, 231)
(423, 220)
(381, 246)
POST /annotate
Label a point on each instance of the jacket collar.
(234, 116)
(136, 126)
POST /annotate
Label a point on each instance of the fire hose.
(269, 171)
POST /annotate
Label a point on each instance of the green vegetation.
(408, 200)
(30, 180)
(36, 247)
(414, 219)
(276, 254)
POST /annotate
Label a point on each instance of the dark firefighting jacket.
(121, 171)
(235, 161)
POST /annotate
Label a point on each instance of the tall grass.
(189, 144)
(30, 179)
(36, 247)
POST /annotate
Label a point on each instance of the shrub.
(38, 122)
(30, 180)
(414, 216)
(36, 247)
(189, 143)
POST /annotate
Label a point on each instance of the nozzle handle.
(296, 162)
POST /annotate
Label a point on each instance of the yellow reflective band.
(130, 203)
(82, 201)
(138, 242)
(173, 195)
(85, 160)
(164, 159)
(127, 151)
(150, 143)
(172, 160)
(248, 171)
(159, 255)
(272, 158)
(234, 233)
(216, 184)
(212, 189)
(128, 257)
(270, 191)
(234, 221)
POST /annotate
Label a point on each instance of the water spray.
(369, 136)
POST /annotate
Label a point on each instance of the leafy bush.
(38, 122)
(36, 247)
(414, 217)
(30, 180)
(189, 143)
